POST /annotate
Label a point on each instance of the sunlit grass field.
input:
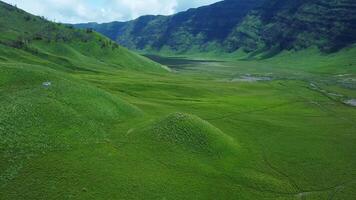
(206, 130)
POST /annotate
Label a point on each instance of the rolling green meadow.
(84, 118)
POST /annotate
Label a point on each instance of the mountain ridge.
(260, 27)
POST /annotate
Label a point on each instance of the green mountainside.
(34, 40)
(257, 27)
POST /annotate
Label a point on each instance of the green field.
(84, 118)
(268, 129)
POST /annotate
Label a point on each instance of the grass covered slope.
(36, 40)
(37, 119)
(44, 107)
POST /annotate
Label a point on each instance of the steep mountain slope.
(280, 25)
(253, 26)
(199, 27)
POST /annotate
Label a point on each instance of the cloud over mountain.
(75, 11)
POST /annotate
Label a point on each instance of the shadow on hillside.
(177, 63)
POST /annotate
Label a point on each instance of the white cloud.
(76, 11)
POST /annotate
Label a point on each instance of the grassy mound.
(189, 133)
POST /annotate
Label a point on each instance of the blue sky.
(77, 11)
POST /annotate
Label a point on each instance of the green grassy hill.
(34, 40)
(44, 107)
(37, 119)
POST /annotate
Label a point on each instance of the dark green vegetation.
(260, 28)
(114, 125)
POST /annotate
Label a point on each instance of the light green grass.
(259, 140)
(114, 125)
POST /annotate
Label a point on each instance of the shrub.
(38, 36)
(19, 43)
(27, 18)
(115, 46)
(89, 30)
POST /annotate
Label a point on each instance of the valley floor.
(268, 132)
